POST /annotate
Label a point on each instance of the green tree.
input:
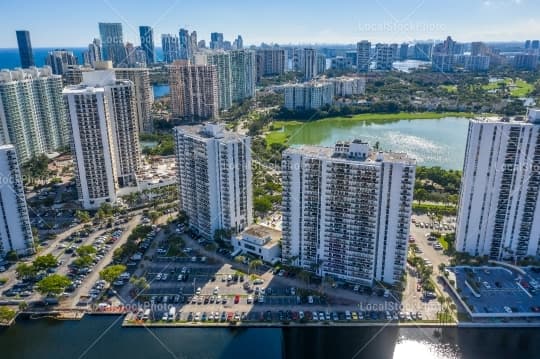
(53, 284)
(45, 262)
(25, 270)
(239, 259)
(153, 215)
(140, 283)
(84, 251)
(6, 314)
(254, 264)
(111, 273)
(83, 216)
(84, 261)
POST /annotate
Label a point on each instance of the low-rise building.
(260, 241)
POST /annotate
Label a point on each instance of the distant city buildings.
(25, 49)
(15, 230)
(105, 136)
(32, 112)
(171, 48)
(363, 56)
(499, 200)
(341, 63)
(348, 86)
(309, 63)
(216, 41)
(60, 60)
(214, 178)
(194, 91)
(93, 54)
(525, 62)
(146, 34)
(184, 42)
(112, 40)
(384, 56)
(346, 211)
(308, 95)
(270, 62)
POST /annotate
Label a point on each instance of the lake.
(103, 337)
(433, 142)
(161, 90)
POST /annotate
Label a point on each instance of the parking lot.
(496, 291)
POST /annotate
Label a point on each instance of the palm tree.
(254, 264)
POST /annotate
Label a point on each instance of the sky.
(55, 23)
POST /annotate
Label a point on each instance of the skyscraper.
(499, 200)
(193, 42)
(171, 48)
(216, 40)
(346, 211)
(146, 34)
(33, 116)
(238, 43)
(105, 136)
(404, 51)
(214, 176)
(184, 41)
(25, 49)
(363, 56)
(60, 60)
(144, 95)
(243, 74)
(94, 53)
(309, 63)
(270, 62)
(384, 56)
(15, 231)
(112, 40)
(222, 62)
(194, 91)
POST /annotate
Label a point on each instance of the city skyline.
(385, 20)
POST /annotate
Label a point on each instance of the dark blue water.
(9, 58)
(103, 337)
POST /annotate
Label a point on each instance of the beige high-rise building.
(144, 94)
(194, 91)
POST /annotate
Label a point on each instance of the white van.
(172, 314)
(146, 314)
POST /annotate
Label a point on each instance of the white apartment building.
(499, 202)
(222, 62)
(214, 176)
(346, 211)
(243, 72)
(32, 113)
(308, 96)
(348, 86)
(15, 230)
(384, 56)
(309, 63)
(105, 136)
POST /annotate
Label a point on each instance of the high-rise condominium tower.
(171, 48)
(60, 60)
(214, 176)
(146, 34)
(346, 211)
(105, 134)
(33, 116)
(194, 91)
(499, 201)
(363, 57)
(25, 49)
(15, 231)
(222, 62)
(144, 95)
(112, 40)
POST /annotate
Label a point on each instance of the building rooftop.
(356, 151)
(264, 232)
(532, 117)
(210, 131)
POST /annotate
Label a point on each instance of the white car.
(198, 291)
(507, 309)
(310, 299)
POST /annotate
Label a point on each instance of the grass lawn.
(280, 131)
(518, 87)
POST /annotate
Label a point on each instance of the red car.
(236, 299)
(230, 316)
